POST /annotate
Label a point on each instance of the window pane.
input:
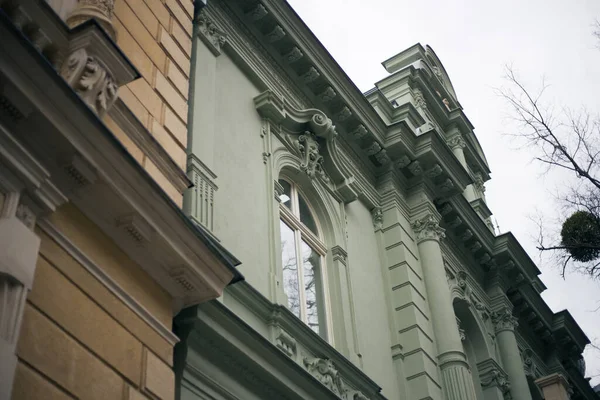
(311, 261)
(286, 197)
(305, 215)
(290, 268)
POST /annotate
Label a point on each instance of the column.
(505, 324)
(456, 376)
(18, 257)
(457, 144)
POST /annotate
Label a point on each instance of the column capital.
(100, 10)
(428, 228)
(504, 320)
(456, 141)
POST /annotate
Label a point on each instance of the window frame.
(291, 217)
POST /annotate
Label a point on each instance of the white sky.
(474, 39)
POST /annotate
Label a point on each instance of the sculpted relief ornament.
(428, 228)
(91, 80)
(326, 373)
(312, 161)
(504, 320)
(495, 377)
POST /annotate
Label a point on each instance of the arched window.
(302, 256)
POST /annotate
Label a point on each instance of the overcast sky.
(474, 40)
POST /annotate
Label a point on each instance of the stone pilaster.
(18, 257)
(457, 143)
(100, 10)
(504, 325)
(554, 387)
(456, 376)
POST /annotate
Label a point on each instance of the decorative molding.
(491, 374)
(339, 254)
(112, 286)
(210, 33)
(285, 342)
(504, 320)
(402, 162)
(311, 135)
(136, 228)
(202, 198)
(427, 228)
(324, 370)
(258, 12)
(529, 364)
(95, 68)
(276, 34)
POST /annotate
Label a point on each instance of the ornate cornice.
(504, 320)
(427, 228)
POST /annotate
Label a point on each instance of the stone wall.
(156, 36)
(88, 334)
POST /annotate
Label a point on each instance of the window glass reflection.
(311, 269)
(286, 197)
(290, 268)
(306, 216)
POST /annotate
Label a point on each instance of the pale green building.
(371, 267)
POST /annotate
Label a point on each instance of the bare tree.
(564, 140)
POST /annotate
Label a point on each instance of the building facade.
(143, 142)
(372, 267)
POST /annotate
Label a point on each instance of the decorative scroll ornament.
(529, 364)
(457, 142)
(428, 228)
(495, 377)
(312, 161)
(91, 80)
(504, 320)
(100, 10)
(326, 373)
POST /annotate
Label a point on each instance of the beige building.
(96, 256)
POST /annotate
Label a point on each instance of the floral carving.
(91, 80)
(326, 373)
(428, 228)
(312, 161)
(504, 320)
(457, 142)
(529, 364)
